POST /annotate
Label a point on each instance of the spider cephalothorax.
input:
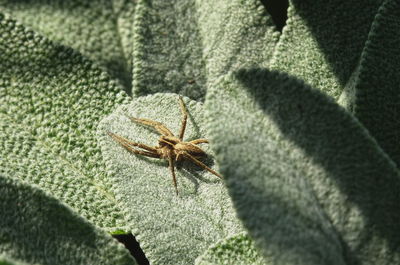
(169, 147)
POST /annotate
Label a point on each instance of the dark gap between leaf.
(278, 11)
(133, 246)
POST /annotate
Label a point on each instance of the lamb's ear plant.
(5, 260)
(377, 85)
(100, 30)
(51, 99)
(182, 47)
(308, 153)
(322, 41)
(37, 229)
(182, 225)
(308, 181)
(238, 249)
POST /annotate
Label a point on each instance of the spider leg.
(184, 118)
(201, 164)
(121, 139)
(199, 141)
(172, 168)
(152, 152)
(161, 128)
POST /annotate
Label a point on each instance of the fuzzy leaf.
(378, 83)
(181, 46)
(171, 229)
(4, 260)
(38, 229)
(125, 12)
(238, 250)
(322, 41)
(51, 99)
(98, 29)
(307, 180)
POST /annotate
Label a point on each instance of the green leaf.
(377, 87)
(322, 41)
(125, 12)
(51, 99)
(98, 29)
(36, 228)
(182, 46)
(171, 229)
(307, 180)
(238, 249)
(4, 260)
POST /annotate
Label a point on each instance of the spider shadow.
(193, 172)
(195, 127)
(184, 168)
(155, 161)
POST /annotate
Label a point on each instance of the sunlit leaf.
(181, 225)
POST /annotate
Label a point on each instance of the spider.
(169, 147)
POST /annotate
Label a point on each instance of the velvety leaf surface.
(377, 103)
(235, 34)
(98, 29)
(38, 229)
(323, 40)
(238, 250)
(171, 229)
(182, 45)
(51, 99)
(4, 260)
(308, 181)
(125, 12)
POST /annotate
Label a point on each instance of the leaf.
(322, 41)
(307, 180)
(238, 249)
(8, 261)
(377, 86)
(36, 228)
(182, 46)
(97, 29)
(125, 13)
(171, 229)
(51, 99)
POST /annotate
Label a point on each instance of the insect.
(169, 147)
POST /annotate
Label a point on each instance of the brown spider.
(169, 146)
